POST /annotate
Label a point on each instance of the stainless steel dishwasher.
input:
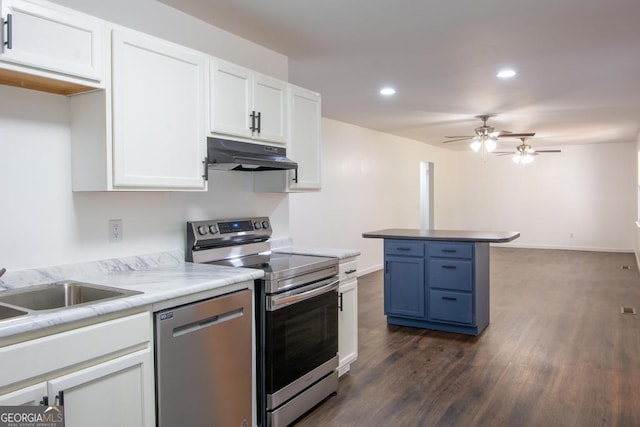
(204, 362)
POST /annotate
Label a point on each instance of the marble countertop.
(160, 277)
(340, 253)
(444, 235)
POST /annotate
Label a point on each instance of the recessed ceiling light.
(387, 91)
(506, 73)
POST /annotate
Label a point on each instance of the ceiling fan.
(524, 152)
(486, 136)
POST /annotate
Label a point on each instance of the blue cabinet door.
(404, 286)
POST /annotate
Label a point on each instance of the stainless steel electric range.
(296, 314)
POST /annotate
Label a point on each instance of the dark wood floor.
(558, 352)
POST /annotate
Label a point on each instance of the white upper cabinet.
(304, 137)
(270, 107)
(247, 104)
(147, 130)
(158, 113)
(51, 38)
(231, 99)
(303, 146)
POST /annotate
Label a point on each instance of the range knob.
(265, 224)
(257, 225)
(213, 229)
(202, 230)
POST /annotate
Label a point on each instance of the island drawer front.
(451, 250)
(450, 274)
(403, 248)
(450, 306)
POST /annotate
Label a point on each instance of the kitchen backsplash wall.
(45, 223)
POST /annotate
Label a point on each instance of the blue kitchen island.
(438, 279)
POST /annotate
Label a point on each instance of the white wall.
(370, 181)
(636, 185)
(45, 223)
(582, 198)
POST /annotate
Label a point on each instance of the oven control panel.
(217, 232)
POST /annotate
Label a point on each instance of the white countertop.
(160, 277)
(340, 253)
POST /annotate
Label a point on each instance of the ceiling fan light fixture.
(387, 91)
(506, 73)
(490, 145)
(475, 145)
(522, 158)
(527, 158)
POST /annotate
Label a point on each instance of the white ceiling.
(578, 62)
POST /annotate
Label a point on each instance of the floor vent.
(628, 310)
(626, 267)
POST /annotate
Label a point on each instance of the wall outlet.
(115, 230)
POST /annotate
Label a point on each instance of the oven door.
(301, 333)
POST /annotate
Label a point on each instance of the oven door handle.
(276, 302)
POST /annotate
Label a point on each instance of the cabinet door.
(158, 114)
(347, 324)
(28, 396)
(304, 137)
(404, 286)
(230, 99)
(51, 39)
(121, 388)
(270, 101)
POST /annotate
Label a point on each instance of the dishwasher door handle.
(207, 322)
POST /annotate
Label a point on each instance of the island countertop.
(444, 235)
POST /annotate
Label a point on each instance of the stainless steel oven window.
(300, 337)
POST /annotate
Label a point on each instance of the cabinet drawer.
(403, 248)
(452, 274)
(347, 270)
(451, 250)
(450, 306)
(73, 347)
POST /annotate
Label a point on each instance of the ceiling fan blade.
(504, 153)
(459, 136)
(456, 140)
(516, 135)
(548, 151)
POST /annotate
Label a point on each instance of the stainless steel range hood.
(226, 154)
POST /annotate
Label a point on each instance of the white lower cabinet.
(118, 387)
(102, 374)
(27, 396)
(347, 315)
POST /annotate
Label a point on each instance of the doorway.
(426, 195)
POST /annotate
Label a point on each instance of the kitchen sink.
(9, 312)
(61, 295)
